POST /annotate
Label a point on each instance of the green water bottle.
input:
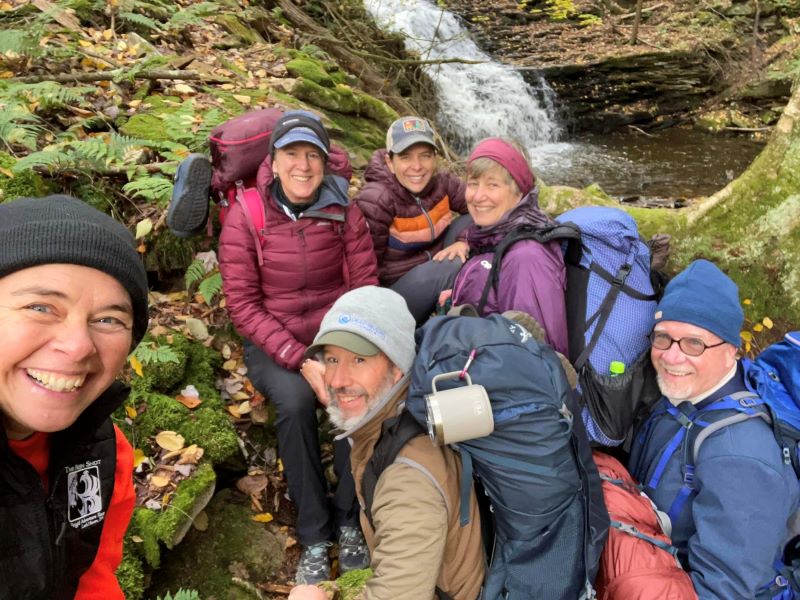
(616, 368)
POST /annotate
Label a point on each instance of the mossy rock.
(311, 70)
(192, 496)
(20, 185)
(130, 572)
(166, 253)
(344, 99)
(245, 34)
(232, 547)
(713, 121)
(161, 375)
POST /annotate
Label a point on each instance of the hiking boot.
(315, 565)
(353, 552)
(188, 209)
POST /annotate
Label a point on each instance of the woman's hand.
(314, 373)
(456, 249)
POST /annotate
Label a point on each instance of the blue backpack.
(536, 467)
(611, 299)
(773, 379)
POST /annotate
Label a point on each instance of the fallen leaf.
(197, 328)
(7, 173)
(230, 365)
(747, 301)
(138, 457)
(136, 365)
(108, 34)
(169, 440)
(262, 517)
(182, 88)
(184, 470)
(201, 521)
(259, 415)
(767, 322)
(242, 99)
(226, 351)
(290, 541)
(252, 484)
(191, 455)
(144, 227)
(189, 401)
(136, 539)
(130, 411)
(234, 412)
(746, 336)
(153, 504)
(240, 396)
(244, 408)
(159, 481)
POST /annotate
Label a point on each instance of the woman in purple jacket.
(501, 196)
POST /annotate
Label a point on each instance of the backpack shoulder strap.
(395, 433)
(568, 232)
(253, 206)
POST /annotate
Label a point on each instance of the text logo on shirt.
(84, 497)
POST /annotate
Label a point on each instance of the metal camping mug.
(458, 414)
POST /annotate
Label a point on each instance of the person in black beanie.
(73, 304)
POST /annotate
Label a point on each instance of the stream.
(492, 99)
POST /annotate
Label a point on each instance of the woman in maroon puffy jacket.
(278, 284)
(410, 208)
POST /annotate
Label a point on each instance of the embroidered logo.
(410, 125)
(83, 494)
(658, 314)
(357, 322)
(486, 264)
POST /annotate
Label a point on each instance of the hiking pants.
(298, 447)
(420, 287)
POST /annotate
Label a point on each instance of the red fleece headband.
(508, 157)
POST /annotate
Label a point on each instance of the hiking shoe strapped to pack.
(315, 565)
(188, 209)
(353, 552)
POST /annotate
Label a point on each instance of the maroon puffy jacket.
(278, 289)
(389, 207)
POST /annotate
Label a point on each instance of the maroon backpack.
(238, 147)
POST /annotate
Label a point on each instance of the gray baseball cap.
(366, 321)
(407, 131)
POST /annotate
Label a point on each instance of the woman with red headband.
(501, 196)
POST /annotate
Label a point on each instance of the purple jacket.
(532, 275)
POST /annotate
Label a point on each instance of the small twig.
(85, 77)
(747, 129)
(644, 9)
(640, 130)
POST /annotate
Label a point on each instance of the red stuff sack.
(238, 146)
(638, 561)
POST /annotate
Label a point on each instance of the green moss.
(26, 183)
(156, 413)
(311, 70)
(146, 126)
(96, 195)
(242, 32)
(130, 573)
(201, 372)
(352, 583)
(212, 430)
(143, 525)
(189, 499)
(360, 136)
(232, 546)
(166, 253)
(165, 376)
(344, 99)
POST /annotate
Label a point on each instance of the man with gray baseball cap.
(416, 214)
(417, 545)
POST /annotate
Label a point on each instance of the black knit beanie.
(62, 229)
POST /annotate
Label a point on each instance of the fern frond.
(210, 287)
(51, 160)
(48, 94)
(19, 127)
(156, 189)
(18, 41)
(150, 353)
(140, 20)
(194, 273)
(192, 15)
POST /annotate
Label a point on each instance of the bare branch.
(85, 77)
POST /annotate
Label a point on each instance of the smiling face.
(65, 332)
(414, 167)
(300, 168)
(682, 377)
(355, 383)
(490, 195)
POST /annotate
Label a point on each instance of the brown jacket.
(418, 543)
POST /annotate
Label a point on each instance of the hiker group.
(490, 372)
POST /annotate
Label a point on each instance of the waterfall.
(475, 100)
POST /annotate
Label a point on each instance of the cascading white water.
(475, 100)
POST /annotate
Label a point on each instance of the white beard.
(343, 423)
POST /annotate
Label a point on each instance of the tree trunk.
(636, 21)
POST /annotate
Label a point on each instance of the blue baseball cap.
(407, 131)
(299, 126)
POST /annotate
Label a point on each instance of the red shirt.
(99, 582)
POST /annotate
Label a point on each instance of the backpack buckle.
(748, 402)
(621, 276)
(688, 476)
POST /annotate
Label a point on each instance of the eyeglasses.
(690, 346)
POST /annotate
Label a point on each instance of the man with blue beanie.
(726, 489)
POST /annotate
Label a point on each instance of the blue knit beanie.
(703, 295)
